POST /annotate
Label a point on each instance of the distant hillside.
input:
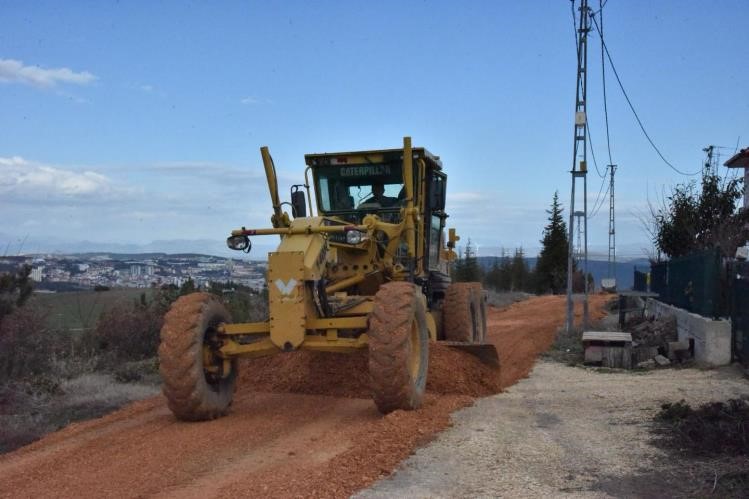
(142, 256)
(15, 245)
(599, 269)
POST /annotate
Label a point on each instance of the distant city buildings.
(88, 271)
(36, 274)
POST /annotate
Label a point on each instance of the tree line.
(512, 272)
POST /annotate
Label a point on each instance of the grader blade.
(485, 352)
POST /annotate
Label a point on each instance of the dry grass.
(501, 299)
(102, 389)
(29, 410)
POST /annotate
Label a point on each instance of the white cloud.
(14, 71)
(135, 203)
(250, 100)
(23, 180)
(459, 197)
(241, 177)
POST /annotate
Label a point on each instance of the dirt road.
(301, 425)
(572, 432)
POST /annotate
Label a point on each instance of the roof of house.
(739, 160)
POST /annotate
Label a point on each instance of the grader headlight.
(239, 243)
(355, 237)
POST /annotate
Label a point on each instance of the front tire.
(461, 312)
(398, 347)
(195, 386)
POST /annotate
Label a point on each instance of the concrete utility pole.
(612, 228)
(580, 171)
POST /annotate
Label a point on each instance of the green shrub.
(26, 344)
(128, 332)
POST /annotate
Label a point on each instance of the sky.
(133, 122)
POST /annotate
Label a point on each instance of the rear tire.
(194, 393)
(398, 347)
(461, 313)
(480, 300)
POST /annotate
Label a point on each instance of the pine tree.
(551, 268)
(505, 277)
(467, 269)
(492, 277)
(457, 269)
(472, 270)
(518, 271)
(187, 287)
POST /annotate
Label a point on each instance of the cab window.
(360, 187)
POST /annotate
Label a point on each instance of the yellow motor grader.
(370, 271)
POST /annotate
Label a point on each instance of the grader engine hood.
(300, 259)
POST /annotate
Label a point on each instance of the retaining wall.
(712, 338)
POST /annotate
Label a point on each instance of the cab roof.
(373, 156)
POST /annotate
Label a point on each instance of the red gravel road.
(301, 425)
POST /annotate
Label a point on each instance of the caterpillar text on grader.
(370, 271)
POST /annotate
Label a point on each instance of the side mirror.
(298, 202)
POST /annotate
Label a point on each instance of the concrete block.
(648, 364)
(661, 361)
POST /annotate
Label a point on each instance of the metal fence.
(739, 291)
(696, 282)
(703, 284)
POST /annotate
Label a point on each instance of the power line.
(597, 205)
(592, 151)
(601, 6)
(598, 196)
(574, 26)
(631, 106)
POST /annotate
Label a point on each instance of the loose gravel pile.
(346, 375)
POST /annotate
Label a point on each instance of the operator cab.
(351, 191)
(351, 185)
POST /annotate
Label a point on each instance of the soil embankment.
(301, 424)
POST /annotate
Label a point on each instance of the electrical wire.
(596, 209)
(601, 6)
(597, 206)
(600, 190)
(574, 27)
(631, 106)
(592, 151)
